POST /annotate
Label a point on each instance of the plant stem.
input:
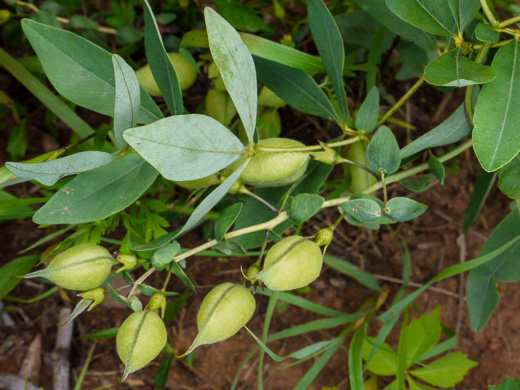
(311, 148)
(508, 22)
(344, 160)
(402, 101)
(489, 14)
(385, 193)
(163, 289)
(284, 216)
(261, 200)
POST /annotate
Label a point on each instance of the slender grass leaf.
(483, 186)
(186, 147)
(351, 270)
(496, 139)
(226, 220)
(508, 179)
(128, 98)
(453, 129)
(11, 273)
(48, 173)
(383, 152)
(330, 46)
(162, 68)
(447, 371)
(457, 269)
(454, 70)
(99, 193)
(440, 348)
(384, 360)
(84, 370)
(355, 360)
(368, 114)
(432, 16)
(81, 71)
(212, 199)
(104, 334)
(161, 375)
(295, 87)
(236, 68)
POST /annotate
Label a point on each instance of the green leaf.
(295, 87)
(11, 273)
(81, 71)
(495, 138)
(364, 210)
(481, 287)
(421, 335)
(404, 209)
(384, 361)
(226, 220)
(80, 21)
(80, 307)
(149, 291)
(508, 179)
(483, 186)
(417, 386)
(486, 33)
(236, 67)
(185, 147)
(163, 256)
(330, 46)
(507, 384)
(127, 99)
(99, 193)
(436, 167)
(241, 16)
(368, 114)
(463, 11)
(432, 16)
(212, 199)
(447, 371)
(304, 206)
(383, 152)
(453, 129)
(351, 270)
(454, 70)
(355, 359)
(174, 307)
(161, 375)
(418, 183)
(162, 69)
(48, 173)
(177, 269)
(104, 334)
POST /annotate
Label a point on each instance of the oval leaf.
(383, 152)
(368, 114)
(404, 209)
(185, 147)
(364, 210)
(304, 206)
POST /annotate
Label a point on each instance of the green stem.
(489, 14)
(385, 193)
(402, 101)
(268, 316)
(509, 22)
(165, 284)
(345, 161)
(468, 98)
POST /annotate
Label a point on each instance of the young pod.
(272, 168)
(220, 107)
(207, 181)
(215, 77)
(270, 99)
(83, 267)
(186, 74)
(292, 263)
(224, 311)
(359, 178)
(140, 338)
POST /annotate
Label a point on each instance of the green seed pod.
(128, 260)
(207, 181)
(292, 263)
(215, 77)
(270, 99)
(224, 311)
(97, 296)
(185, 72)
(83, 267)
(272, 169)
(220, 107)
(140, 338)
(359, 179)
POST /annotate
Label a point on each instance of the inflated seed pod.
(359, 178)
(220, 107)
(204, 182)
(128, 260)
(140, 338)
(272, 169)
(223, 312)
(185, 72)
(292, 263)
(157, 303)
(215, 77)
(83, 267)
(270, 99)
